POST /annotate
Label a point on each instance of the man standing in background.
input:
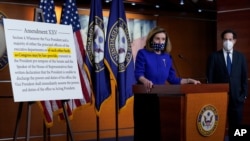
(229, 66)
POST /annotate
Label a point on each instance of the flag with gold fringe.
(98, 72)
(118, 52)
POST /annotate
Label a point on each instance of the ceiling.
(174, 5)
(147, 6)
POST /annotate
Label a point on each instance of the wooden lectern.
(186, 112)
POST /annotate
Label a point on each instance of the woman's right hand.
(147, 83)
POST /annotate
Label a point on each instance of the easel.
(20, 108)
(29, 104)
(38, 13)
(19, 113)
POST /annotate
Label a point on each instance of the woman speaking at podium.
(153, 65)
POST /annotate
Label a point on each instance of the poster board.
(42, 61)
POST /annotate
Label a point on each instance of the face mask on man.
(158, 46)
(228, 45)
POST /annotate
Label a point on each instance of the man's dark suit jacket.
(217, 73)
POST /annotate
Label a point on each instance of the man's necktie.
(229, 63)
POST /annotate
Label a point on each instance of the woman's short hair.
(151, 35)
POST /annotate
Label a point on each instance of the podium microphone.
(180, 56)
(174, 64)
(184, 59)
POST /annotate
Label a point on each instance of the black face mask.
(158, 46)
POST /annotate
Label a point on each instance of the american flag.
(70, 17)
(48, 8)
(55, 106)
(49, 107)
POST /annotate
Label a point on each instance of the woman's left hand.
(193, 81)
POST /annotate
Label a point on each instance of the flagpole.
(116, 114)
(46, 132)
(98, 129)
